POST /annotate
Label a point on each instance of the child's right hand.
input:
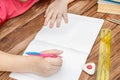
(47, 66)
(33, 64)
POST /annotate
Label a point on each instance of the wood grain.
(16, 34)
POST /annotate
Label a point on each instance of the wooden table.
(16, 34)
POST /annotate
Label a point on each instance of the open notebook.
(76, 40)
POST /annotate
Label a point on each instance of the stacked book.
(109, 6)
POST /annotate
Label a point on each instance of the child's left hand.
(55, 12)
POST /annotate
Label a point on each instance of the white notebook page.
(70, 69)
(80, 33)
(76, 40)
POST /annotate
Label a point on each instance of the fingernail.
(66, 21)
(51, 26)
(58, 26)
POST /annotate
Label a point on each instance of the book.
(109, 6)
(114, 1)
(75, 39)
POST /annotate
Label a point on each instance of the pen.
(44, 55)
(112, 20)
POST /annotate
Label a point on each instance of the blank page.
(80, 33)
(76, 40)
(71, 67)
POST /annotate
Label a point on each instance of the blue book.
(113, 1)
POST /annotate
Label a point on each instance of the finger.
(52, 21)
(53, 51)
(53, 70)
(59, 18)
(48, 16)
(54, 61)
(65, 17)
(46, 12)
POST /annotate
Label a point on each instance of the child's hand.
(55, 12)
(34, 64)
(47, 66)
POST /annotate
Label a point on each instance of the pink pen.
(44, 55)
